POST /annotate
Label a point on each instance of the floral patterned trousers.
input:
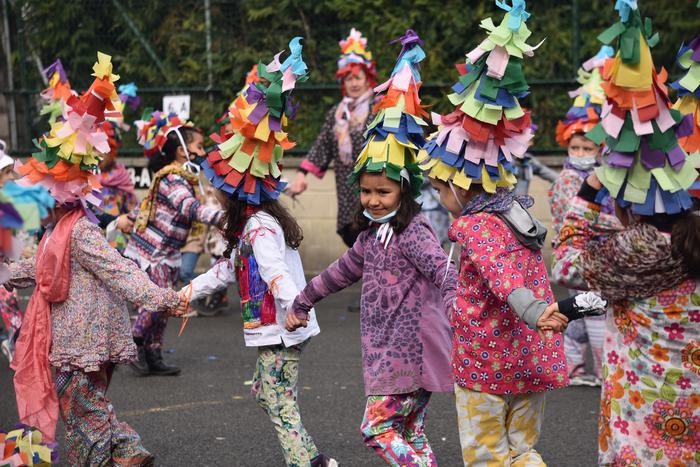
(275, 390)
(94, 436)
(393, 427)
(150, 325)
(498, 430)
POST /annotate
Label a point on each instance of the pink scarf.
(118, 178)
(351, 114)
(37, 402)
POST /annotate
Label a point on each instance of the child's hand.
(182, 306)
(551, 320)
(292, 323)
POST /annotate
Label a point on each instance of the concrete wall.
(316, 211)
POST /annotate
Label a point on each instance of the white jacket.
(277, 264)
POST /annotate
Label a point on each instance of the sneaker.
(585, 380)
(7, 350)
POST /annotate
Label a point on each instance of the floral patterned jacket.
(92, 326)
(650, 405)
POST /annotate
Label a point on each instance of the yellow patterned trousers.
(499, 430)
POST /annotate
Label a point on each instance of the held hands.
(182, 307)
(551, 320)
(292, 323)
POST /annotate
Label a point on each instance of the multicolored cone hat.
(153, 128)
(246, 166)
(644, 166)
(688, 102)
(355, 57)
(584, 114)
(68, 155)
(393, 139)
(479, 139)
(57, 93)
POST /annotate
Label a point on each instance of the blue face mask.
(383, 219)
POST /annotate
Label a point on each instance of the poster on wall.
(180, 104)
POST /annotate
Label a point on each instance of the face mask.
(582, 163)
(381, 220)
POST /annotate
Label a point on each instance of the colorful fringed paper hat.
(223, 123)
(68, 155)
(479, 139)
(153, 128)
(688, 102)
(584, 114)
(644, 166)
(25, 446)
(393, 139)
(246, 166)
(57, 93)
(355, 57)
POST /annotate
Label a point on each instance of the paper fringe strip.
(584, 114)
(24, 446)
(394, 138)
(644, 167)
(479, 140)
(57, 93)
(688, 103)
(247, 164)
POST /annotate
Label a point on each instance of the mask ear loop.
(452, 246)
(189, 165)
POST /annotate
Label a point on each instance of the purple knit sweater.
(406, 298)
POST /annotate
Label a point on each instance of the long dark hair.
(408, 209)
(238, 213)
(685, 242)
(172, 142)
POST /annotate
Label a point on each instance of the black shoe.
(157, 366)
(139, 365)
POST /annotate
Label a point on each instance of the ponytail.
(685, 242)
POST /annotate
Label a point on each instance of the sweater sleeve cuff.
(526, 306)
(588, 193)
(311, 167)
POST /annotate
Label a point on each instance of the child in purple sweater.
(408, 285)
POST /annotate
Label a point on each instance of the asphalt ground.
(206, 416)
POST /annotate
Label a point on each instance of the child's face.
(196, 146)
(447, 197)
(6, 175)
(221, 197)
(580, 146)
(379, 195)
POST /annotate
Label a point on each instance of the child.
(162, 223)
(408, 283)
(267, 265)
(501, 366)
(582, 158)
(118, 195)
(76, 320)
(647, 266)
(9, 307)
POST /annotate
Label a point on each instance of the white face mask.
(381, 220)
(582, 163)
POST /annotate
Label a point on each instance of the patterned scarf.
(147, 209)
(495, 202)
(632, 264)
(350, 115)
